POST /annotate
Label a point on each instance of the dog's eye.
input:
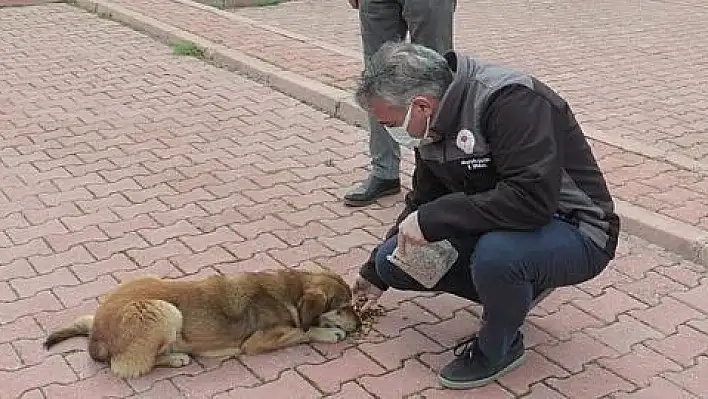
(332, 303)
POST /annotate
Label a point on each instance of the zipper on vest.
(444, 151)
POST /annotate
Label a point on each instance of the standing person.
(429, 23)
(505, 176)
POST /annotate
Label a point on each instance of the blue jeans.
(504, 271)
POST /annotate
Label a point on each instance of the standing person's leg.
(431, 23)
(380, 21)
(507, 268)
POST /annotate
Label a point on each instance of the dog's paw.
(328, 335)
(176, 360)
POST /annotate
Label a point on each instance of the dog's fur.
(151, 322)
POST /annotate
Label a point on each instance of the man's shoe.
(372, 189)
(472, 369)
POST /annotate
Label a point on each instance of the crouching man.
(507, 200)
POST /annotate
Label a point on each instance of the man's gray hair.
(399, 71)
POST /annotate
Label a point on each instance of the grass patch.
(266, 3)
(187, 48)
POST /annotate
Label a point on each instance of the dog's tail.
(80, 328)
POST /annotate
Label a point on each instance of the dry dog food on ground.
(368, 317)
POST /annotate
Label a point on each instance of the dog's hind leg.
(159, 324)
(132, 364)
(172, 360)
(226, 352)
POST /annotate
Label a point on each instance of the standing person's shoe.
(473, 369)
(372, 189)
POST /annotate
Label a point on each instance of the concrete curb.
(684, 239)
(274, 29)
(645, 150)
(23, 3)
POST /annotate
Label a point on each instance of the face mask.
(401, 136)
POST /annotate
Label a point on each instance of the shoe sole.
(351, 202)
(480, 383)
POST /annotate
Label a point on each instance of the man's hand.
(409, 232)
(366, 293)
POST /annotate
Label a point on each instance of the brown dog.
(152, 322)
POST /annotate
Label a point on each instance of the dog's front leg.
(274, 338)
(327, 335)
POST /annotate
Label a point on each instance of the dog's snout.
(345, 318)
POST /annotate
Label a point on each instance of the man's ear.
(312, 304)
(424, 103)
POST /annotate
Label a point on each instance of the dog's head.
(327, 302)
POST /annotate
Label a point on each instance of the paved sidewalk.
(119, 159)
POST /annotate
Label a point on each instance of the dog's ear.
(312, 304)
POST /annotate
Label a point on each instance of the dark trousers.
(503, 271)
(429, 23)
